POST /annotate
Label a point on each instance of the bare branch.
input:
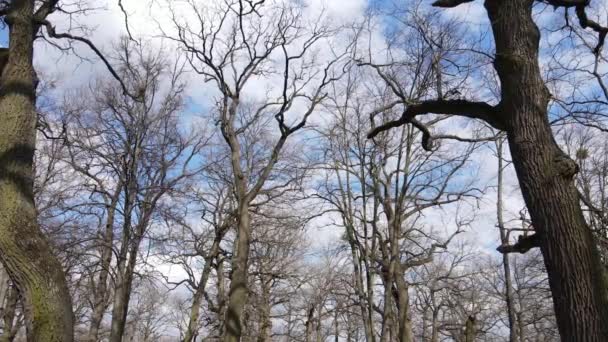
(450, 3)
(523, 245)
(475, 110)
(53, 34)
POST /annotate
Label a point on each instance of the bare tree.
(202, 240)
(147, 316)
(278, 246)
(381, 189)
(133, 154)
(545, 172)
(232, 46)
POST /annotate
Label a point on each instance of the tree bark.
(309, 323)
(403, 306)
(10, 328)
(265, 308)
(24, 251)
(470, 331)
(238, 285)
(386, 307)
(545, 174)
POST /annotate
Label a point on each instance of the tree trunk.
(197, 299)
(122, 294)
(237, 295)
(265, 307)
(470, 331)
(387, 317)
(358, 278)
(435, 326)
(309, 323)
(545, 173)
(221, 295)
(403, 306)
(9, 328)
(24, 251)
(319, 334)
(336, 326)
(100, 297)
(505, 241)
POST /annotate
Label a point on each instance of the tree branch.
(50, 29)
(475, 110)
(523, 245)
(450, 3)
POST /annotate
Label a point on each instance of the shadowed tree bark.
(24, 251)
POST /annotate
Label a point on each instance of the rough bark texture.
(545, 176)
(24, 251)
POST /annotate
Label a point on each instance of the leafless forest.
(303, 170)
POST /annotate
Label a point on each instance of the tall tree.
(24, 251)
(132, 155)
(545, 173)
(231, 46)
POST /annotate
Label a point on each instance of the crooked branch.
(50, 29)
(475, 110)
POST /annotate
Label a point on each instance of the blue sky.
(4, 36)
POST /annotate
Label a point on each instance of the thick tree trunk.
(237, 296)
(545, 173)
(24, 251)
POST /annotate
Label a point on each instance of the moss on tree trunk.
(24, 251)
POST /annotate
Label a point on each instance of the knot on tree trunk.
(565, 166)
(523, 245)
